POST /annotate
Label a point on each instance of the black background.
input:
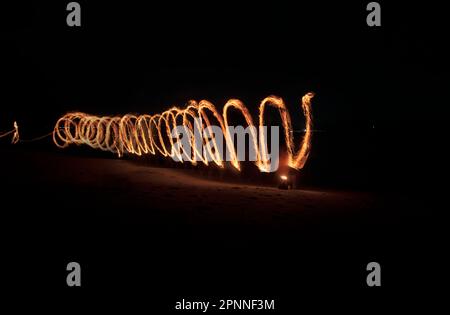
(380, 102)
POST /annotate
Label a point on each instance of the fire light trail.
(151, 134)
(14, 132)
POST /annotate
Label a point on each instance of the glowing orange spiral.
(151, 134)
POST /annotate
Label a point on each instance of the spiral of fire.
(151, 134)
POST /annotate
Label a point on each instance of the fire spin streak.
(151, 134)
(14, 132)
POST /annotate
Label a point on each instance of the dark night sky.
(135, 57)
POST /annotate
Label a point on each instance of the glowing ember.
(14, 132)
(151, 134)
(283, 177)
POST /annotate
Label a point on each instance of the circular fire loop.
(151, 134)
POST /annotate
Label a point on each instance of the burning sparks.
(151, 134)
(15, 133)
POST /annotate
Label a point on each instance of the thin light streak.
(14, 132)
